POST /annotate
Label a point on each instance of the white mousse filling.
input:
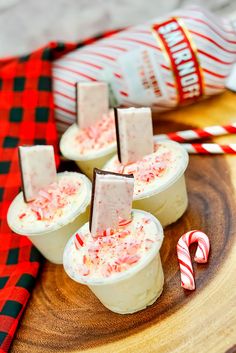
(92, 260)
(90, 142)
(55, 206)
(156, 171)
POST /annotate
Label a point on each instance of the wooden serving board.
(63, 316)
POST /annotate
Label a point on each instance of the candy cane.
(193, 134)
(209, 148)
(78, 241)
(124, 222)
(201, 255)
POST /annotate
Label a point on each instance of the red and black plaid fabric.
(26, 117)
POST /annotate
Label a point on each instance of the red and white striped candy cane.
(201, 255)
(209, 148)
(78, 241)
(194, 134)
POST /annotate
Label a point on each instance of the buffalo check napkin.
(26, 118)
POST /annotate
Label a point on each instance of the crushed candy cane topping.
(97, 136)
(114, 251)
(52, 199)
(153, 170)
(147, 169)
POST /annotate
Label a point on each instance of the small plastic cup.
(168, 201)
(129, 291)
(51, 242)
(86, 162)
(168, 205)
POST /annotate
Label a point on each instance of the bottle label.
(142, 75)
(182, 56)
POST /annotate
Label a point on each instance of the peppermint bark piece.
(134, 133)
(112, 197)
(92, 102)
(38, 169)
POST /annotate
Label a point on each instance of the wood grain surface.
(63, 316)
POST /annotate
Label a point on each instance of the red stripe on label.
(64, 81)
(64, 95)
(214, 73)
(183, 59)
(221, 87)
(113, 46)
(75, 71)
(100, 54)
(85, 62)
(211, 27)
(65, 110)
(140, 42)
(215, 58)
(212, 41)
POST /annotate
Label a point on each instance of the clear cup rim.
(128, 273)
(65, 220)
(94, 154)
